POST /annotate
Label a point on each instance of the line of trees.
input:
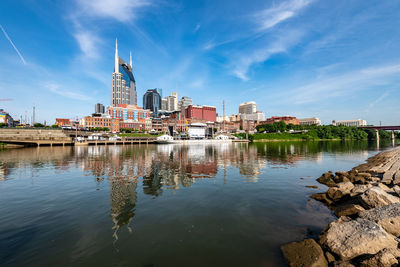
(324, 131)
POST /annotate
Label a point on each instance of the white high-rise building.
(123, 85)
(248, 108)
(172, 102)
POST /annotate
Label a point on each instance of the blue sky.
(331, 59)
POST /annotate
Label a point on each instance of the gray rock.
(385, 188)
(377, 197)
(385, 258)
(359, 189)
(387, 216)
(340, 190)
(357, 237)
(348, 210)
(306, 253)
(396, 189)
(327, 179)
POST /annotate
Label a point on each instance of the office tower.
(248, 108)
(99, 108)
(152, 101)
(123, 86)
(184, 103)
(164, 104)
(172, 102)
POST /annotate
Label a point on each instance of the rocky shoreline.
(366, 201)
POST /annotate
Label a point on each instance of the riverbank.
(366, 201)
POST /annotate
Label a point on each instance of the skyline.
(303, 58)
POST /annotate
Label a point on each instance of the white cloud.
(87, 43)
(121, 10)
(55, 88)
(270, 17)
(343, 84)
(281, 45)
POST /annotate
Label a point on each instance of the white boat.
(167, 139)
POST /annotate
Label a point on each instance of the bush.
(38, 125)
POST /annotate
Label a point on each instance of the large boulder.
(387, 216)
(306, 253)
(359, 189)
(385, 258)
(377, 197)
(356, 237)
(340, 190)
(348, 210)
(327, 179)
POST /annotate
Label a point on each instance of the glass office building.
(152, 101)
(123, 86)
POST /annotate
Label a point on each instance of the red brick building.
(205, 113)
(286, 119)
(63, 122)
(101, 122)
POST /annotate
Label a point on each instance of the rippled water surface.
(164, 205)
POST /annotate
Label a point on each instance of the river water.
(164, 205)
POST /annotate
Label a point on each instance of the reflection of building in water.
(123, 200)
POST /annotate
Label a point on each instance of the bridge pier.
(377, 135)
(392, 134)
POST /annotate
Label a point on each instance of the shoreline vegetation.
(279, 131)
(366, 201)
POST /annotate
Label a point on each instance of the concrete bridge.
(385, 128)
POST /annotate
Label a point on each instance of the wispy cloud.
(12, 44)
(270, 17)
(197, 28)
(121, 10)
(56, 89)
(343, 84)
(280, 45)
(88, 42)
(379, 99)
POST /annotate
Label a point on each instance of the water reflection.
(164, 167)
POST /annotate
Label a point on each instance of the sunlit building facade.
(123, 85)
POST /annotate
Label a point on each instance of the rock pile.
(366, 201)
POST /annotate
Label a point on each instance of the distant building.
(310, 121)
(128, 112)
(63, 122)
(203, 113)
(286, 119)
(257, 116)
(164, 104)
(248, 112)
(355, 123)
(221, 119)
(6, 118)
(152, 101)
(248, 108)
(184, 103)
(99, 108)
(172, 102)
(100, 122)
(197, 131)
(123, 86)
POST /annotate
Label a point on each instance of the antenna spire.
(116, 61)
(130, 58)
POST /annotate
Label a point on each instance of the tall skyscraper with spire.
(123, 85)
